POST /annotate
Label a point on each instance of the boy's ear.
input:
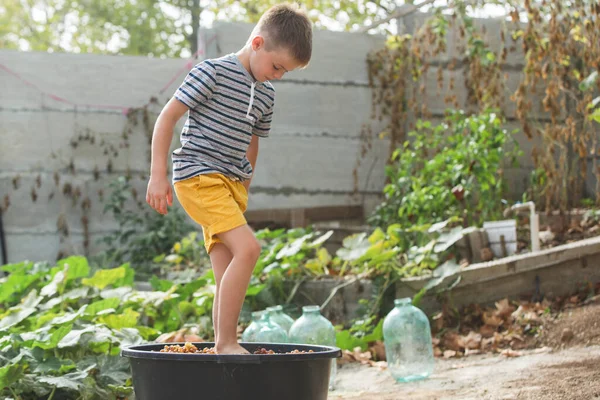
(257, 42)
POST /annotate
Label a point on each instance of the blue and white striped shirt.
(226, 107)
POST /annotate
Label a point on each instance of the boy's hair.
(287, 26)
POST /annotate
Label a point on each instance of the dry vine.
(561, 47)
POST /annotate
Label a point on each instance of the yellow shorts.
(215, 202)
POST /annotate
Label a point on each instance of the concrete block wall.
(512, 75)
(48, 101)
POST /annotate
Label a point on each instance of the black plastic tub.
(166, 376)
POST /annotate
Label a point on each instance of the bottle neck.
(400, 303)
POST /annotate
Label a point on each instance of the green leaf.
(128, 337)
(128, 319)
(73, 380)
(15, 284)
(355, 246)
(594, 103)
(347, 341)
(53, 286)
(74, 294)
(18, 268)
(68, 317)
(72, 338)
(291, 249)
(447, 240)
(589, 82)
(121, 391)
(100, 305)
(104, 277)
(76, 267)
(53, 364)
(15, 318)
(377, 333)
(595, 116)
(128, 278)
(190, 288)
(255, 290)
(10, 374)
(147, 332)
(321, 239)
(161, 285)
(442, 272)
(377, 235)
(55, 338)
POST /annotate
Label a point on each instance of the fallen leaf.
(511, 353)
(449, 353)
(487, 331)
(544, 349)
(469, 352)
(379, 364)
(453, 341)
(489, 318)
(437, 352)
(472, 340)
(504, 309)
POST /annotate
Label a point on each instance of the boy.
(230, 103)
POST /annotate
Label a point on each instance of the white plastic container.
(495, 230)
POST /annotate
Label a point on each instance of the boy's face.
(269, 65)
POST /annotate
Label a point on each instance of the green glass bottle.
(407, 339)
(269, 331)
(277, 315)
(250, 332)
(313, 328)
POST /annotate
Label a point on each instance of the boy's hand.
(159, 194)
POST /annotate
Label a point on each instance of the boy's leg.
(245, 249)
(220, 257)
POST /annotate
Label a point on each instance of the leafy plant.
(454, 169)
(142, 233)
(187, 258)
(62, 326)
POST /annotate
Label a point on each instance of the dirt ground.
(566, 366)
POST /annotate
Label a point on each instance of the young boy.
(230, 103)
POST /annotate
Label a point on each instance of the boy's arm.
(260, 130)
(160, 192)
(251, 155)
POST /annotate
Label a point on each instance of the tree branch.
(400, 12)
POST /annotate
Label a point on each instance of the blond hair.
(288, 27)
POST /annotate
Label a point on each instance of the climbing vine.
(65, 183)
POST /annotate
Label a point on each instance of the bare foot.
(233, 348)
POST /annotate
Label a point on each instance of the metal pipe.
(534, 222)
(3, 242)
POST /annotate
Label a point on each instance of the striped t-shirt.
(226, 107)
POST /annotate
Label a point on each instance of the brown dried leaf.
(472, 340)
(504, 308)
(511, 353)
(449, 353)
(379, 364)
(453, 341)
(525, 314)
(469, 352)
(487, 331)
(489, 318)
